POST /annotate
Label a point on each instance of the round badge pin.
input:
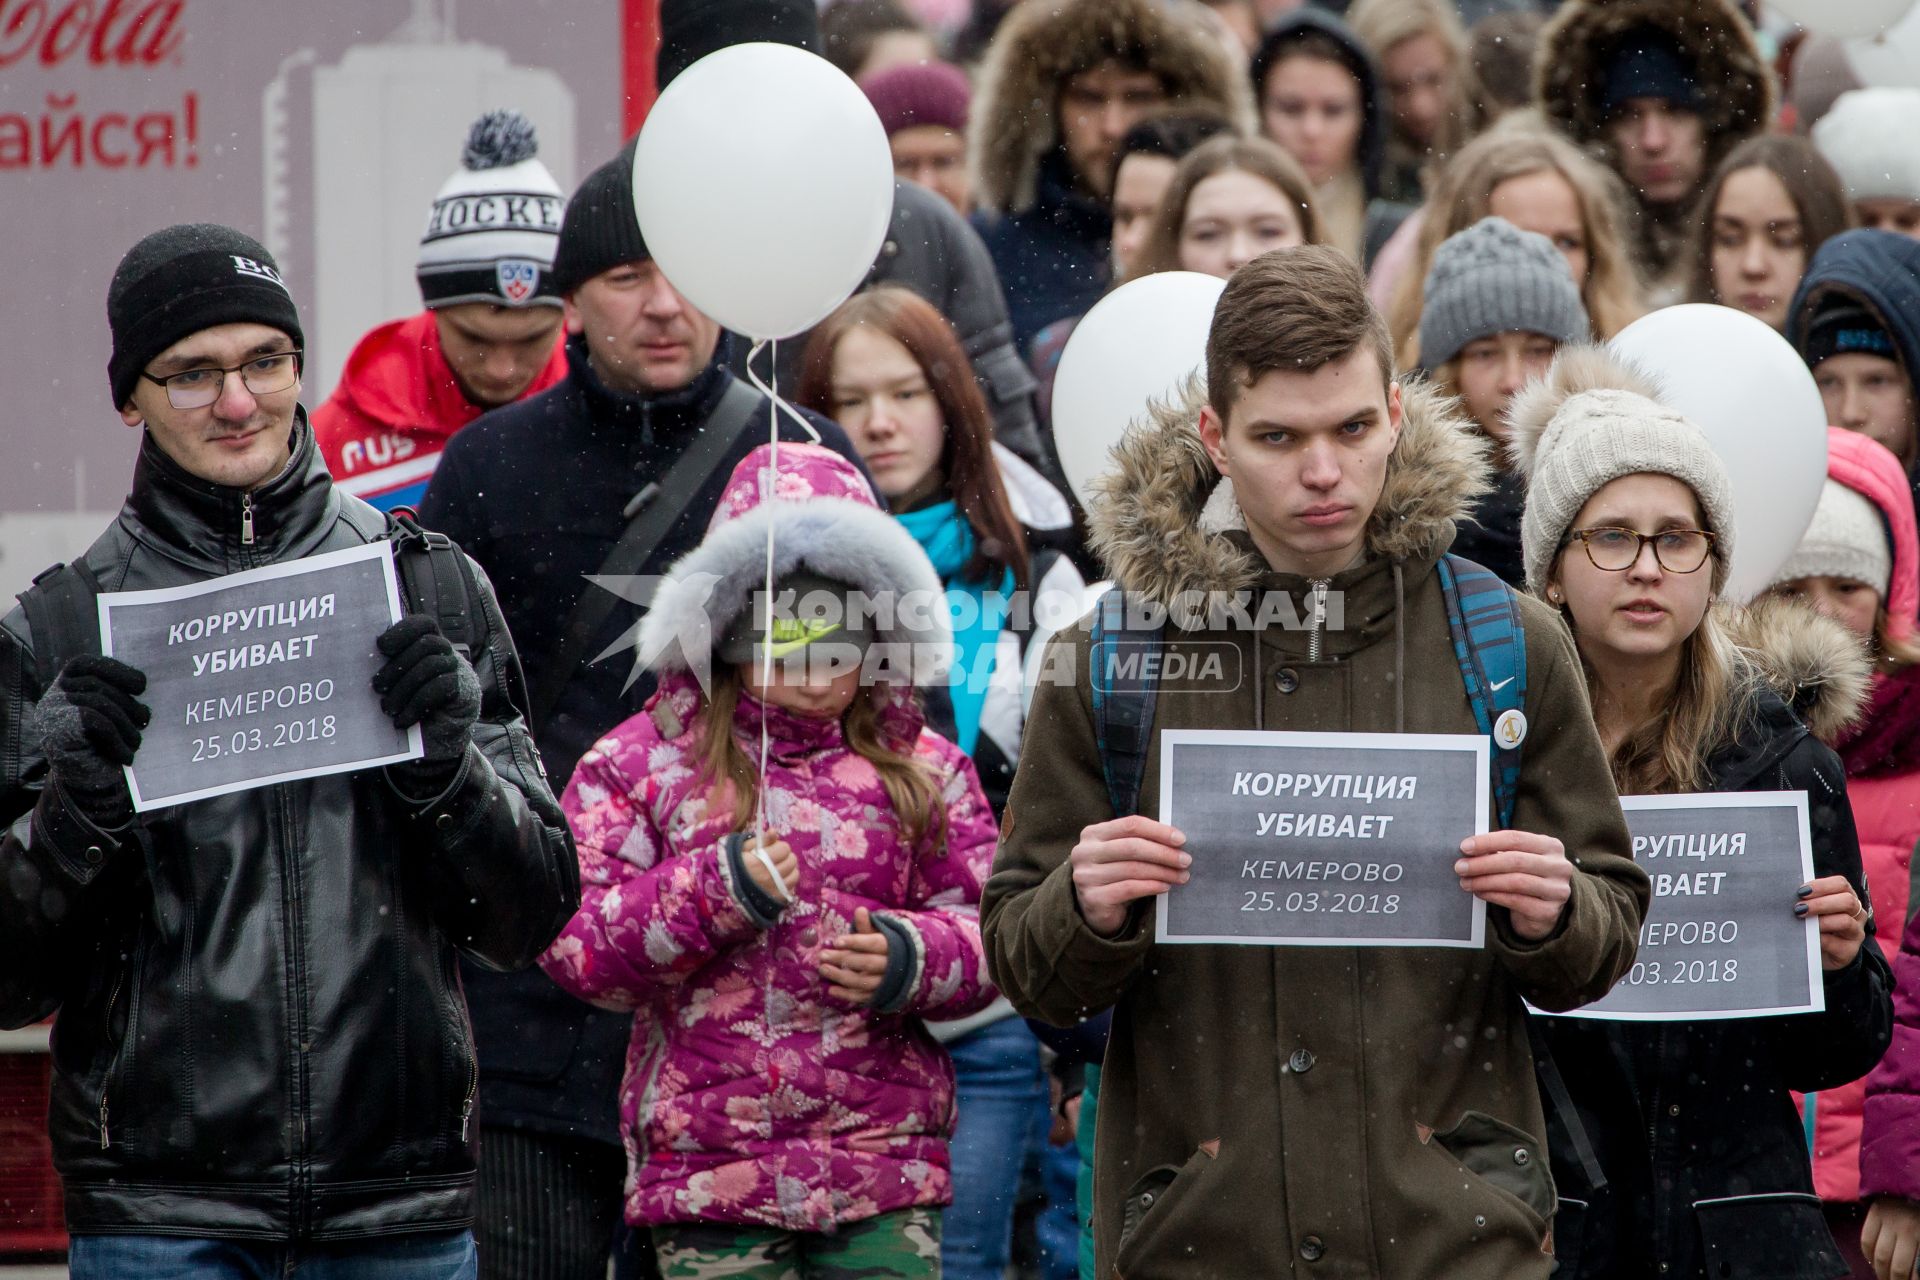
(1510, 730)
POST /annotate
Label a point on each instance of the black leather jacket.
(260, 1030)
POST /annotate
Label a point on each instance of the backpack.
(1489, 644)
(434, 577)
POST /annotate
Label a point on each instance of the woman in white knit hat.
(1628, 530)
(1859, 564)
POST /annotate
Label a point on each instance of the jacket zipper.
(246, 519)
(1317, 619)
(106, 1081)
(281, 827)
(473, 1088)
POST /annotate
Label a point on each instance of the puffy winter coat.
(394, 409)
(1692, 1123)
(260, 1030)
(1881, 751)
(752, 1096)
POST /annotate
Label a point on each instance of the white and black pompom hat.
(495, 225)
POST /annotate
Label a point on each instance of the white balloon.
(1892, 59)
(1139, 343)
(1747, 388)
(763, 184)
(1843, 17)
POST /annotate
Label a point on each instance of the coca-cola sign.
(104, 33)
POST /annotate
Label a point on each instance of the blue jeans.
(1001, 1087)
(445, 1255)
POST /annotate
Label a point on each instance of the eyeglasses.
(198, 388)
(1618, 550)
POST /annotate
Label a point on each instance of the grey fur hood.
(1158, 518)
(1016, 109)
(822, 518)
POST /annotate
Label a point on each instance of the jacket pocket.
(119, 1070)
(1159, 1212)
(1508, 1160)
(1774, 1236)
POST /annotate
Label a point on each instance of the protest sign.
(261, 676)
(1720, 939)
(1323, 839)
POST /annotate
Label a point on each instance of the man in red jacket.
(490, 333)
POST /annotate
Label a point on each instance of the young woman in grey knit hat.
(1499, 302)
(1628, 530)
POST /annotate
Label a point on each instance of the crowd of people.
(706, 937)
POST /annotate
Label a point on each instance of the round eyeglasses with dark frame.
(1615, 550)
(262, 375)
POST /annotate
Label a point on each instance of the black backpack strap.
(63, 617)
(1125, 680)
(651, 516)
(437, 579)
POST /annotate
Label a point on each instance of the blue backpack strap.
(1123, 697)
(1491, 648)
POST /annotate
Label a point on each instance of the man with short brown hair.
(1327, 1110)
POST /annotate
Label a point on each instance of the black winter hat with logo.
(183, 279)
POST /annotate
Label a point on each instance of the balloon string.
(769, 487)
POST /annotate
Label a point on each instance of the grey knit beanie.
(1594, 418)
(1495, 278)
(1847, 539)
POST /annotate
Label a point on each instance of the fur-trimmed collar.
(1015, 119)
(1814, 664)
(1158, 518)
(1736, 85)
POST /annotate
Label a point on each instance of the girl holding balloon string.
(780, 865)
(1629, 531)
(889, 369)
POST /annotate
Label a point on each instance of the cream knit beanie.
(1594, 418)
(1847, 539)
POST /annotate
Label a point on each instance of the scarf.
(978, 610)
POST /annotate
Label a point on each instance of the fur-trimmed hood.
(1016, 109)
(1813, 663)
(1736, 85)
(823, 518)
(1158, 518)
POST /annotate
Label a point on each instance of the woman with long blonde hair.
(1539, 183)
(1421, 47)
(1677, 1150)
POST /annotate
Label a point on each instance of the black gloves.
(426, 682)
(89, 724)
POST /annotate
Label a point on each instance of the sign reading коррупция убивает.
(1323, 839)
(260, 676)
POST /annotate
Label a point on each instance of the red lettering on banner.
(113, 32)
(66, 135)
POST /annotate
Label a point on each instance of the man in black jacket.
(541, 492)
(261, 1054)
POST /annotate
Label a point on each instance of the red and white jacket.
(397, 405)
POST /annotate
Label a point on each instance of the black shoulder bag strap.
(63, 618)
(650, 519)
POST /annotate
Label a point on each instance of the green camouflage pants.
(894, 1246)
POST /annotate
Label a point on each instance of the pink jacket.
(1882, 755)
(751, 1097)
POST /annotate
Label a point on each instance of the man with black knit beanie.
(263, 1063)
(614, 472)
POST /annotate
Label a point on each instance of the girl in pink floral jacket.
(783, 1103)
